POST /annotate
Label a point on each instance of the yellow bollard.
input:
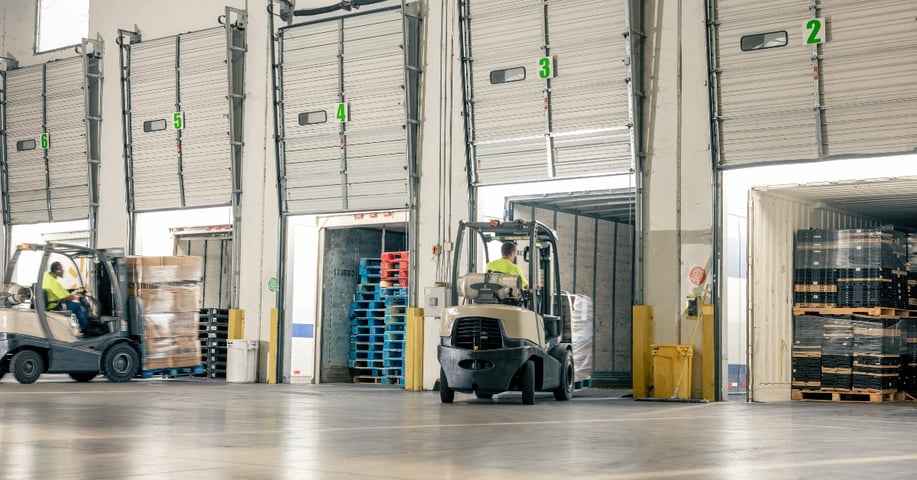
(236, 324)
(413, 354)
(642, 352)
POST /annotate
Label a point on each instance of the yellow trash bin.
(672, 366)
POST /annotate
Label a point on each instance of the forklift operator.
(58, 298)
(507, 264)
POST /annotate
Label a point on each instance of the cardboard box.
(166, 325)
(165, 269)
(167, 298)
(171, 352)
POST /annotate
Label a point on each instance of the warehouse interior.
(313, 160)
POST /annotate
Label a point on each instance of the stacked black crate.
(837, 354)
(871, 268)
(367, 325)
(814, 275)
(912, 271)
(808, 335)
(213, 334)
(877, 349)
(908, 377)
(395, 266)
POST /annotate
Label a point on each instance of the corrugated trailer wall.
(773, 219)
(596, 259)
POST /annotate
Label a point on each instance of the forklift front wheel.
(121, 363)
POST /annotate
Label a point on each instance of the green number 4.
(342, 112)
(546, 70)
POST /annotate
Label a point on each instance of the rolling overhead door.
(793, 85)
(547, 89)
(51, 157)
(179, 115)
(348, 113)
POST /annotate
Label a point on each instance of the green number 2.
(814, 28)
(546, 68)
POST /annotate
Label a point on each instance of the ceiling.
(888, 200)
(617, 205)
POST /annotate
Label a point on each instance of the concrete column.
(678, 174)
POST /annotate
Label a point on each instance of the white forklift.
(502, 337)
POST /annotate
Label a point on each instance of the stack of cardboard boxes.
(169, 291)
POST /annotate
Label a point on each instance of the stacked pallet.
(912, 271)
(168, 292)
(378, 318)
(856, 356)
(213, 335)
(871, 268)
(367, 324)
(814, 275)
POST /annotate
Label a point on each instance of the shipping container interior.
(761, 215)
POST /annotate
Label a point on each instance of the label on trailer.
(178, 120)
(343, 113)
(546, 67)
(45, 141)
(814, 31)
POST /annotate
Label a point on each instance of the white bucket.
(242, 361)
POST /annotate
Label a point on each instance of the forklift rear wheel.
(27, 366)
(528, 383)
(484, 396)
(567, 378)
(83, 376)
(121, 363)
(446, 394)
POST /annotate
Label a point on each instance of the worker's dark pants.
(77, 310)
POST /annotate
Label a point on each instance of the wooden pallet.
(871, 396)
(367, 379)
(878, 312)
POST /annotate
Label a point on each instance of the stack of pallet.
(169, 293)
(912, 271)
(367, 324)
(871, 268)
(395, 266)
(815, 276)
(213, 335)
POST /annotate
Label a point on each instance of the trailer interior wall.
(773, 219)
(596, 259)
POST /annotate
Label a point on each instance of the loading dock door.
(348, 111)
(179, 120)
(781, 99)
(547, 89)
(49, 173)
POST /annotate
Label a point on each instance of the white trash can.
(242, 361)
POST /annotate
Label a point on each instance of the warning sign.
(697, 275)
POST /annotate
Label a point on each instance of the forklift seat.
(491, 287)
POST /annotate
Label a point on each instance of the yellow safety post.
(413, 356)
(708, 372)
(236, 324)
(272, 350)
(642, 352)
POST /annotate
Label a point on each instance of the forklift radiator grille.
(483, 333)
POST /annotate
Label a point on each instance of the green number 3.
(545, 64)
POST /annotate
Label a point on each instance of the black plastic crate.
(815, 276)
(827, 299)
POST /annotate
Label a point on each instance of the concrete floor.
(203, 429)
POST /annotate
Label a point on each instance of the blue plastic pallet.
(399, 300)
(395, 326)
(367, 305)
(392, 380)
(370, 278)
(394, 336)
(360, 354)
(393, 346)
(371, 372)
(396, 319)
(368, 288)
(394, 292)
(370, 269)
(173, 372)
(367, 329)
(370, 261)
(366, 296)
(396, 310)
(365, 363)
(367, 320)
(367, 339)
(393, 362)
(393, 372)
